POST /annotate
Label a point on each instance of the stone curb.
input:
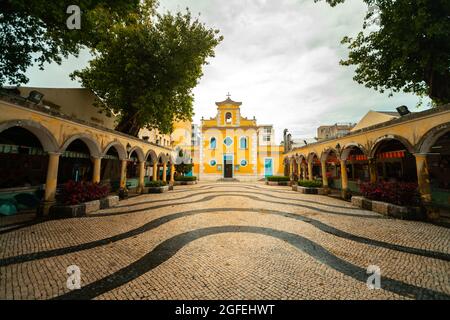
(156, 189)
(278, 183)
(305, 190)
(185, 183)
(388, 209)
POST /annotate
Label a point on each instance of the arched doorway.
(357, 165)
(161, 161)
(150, 160)
(333, 169)
(23, 171)
(439, 172)
(316, 167)
(133, 171)
(287, 167)
(303, 168)
(110, 169)
(75, 163)
(294, 166)
(394, 162)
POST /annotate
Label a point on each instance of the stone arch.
(138, 152)
(348, 148)
(151, 156)
(301, 157)
(162, 158)
(431, 137)
(326, 153)
(292, 159)
(311, 156)
(90, 142)
(119, 148)
(47, 139)
(378, 142)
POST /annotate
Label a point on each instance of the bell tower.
(228, 113)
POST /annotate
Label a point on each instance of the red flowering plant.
(399, 193)
(78, 192)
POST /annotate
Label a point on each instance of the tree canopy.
(144, 71)
(404, 46)
(37, 33)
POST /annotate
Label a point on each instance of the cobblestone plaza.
(226, 241)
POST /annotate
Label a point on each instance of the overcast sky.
(279, 57)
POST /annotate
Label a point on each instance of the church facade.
(235, 147)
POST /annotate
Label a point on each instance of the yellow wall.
(372, 118)
(239, 127)
(182, 134)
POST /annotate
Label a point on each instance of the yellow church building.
(233, 147)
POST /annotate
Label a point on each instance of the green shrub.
(278, 179)
(310, 184)
(185, 179)
(155, 184)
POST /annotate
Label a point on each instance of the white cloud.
(280, 58)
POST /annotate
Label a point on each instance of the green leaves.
(409, 50)
(37, 33)
(145, 70)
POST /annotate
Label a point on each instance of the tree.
(404, 46)
(184, 168)
(144, 72)
(37, 32)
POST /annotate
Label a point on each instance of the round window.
(244, 163)
(228, 141)
(213, 163)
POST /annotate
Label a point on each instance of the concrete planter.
(388, 209)
(109, 202)
(156, 189)
(362, 203)
(381, 207)
(278, 183)
(304, 190)
(82, 209)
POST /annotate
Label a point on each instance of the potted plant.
(311, 187)
(156, 187)
(278, 181)
(185, 180)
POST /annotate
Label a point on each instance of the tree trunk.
(129, 125)
(439, 87)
